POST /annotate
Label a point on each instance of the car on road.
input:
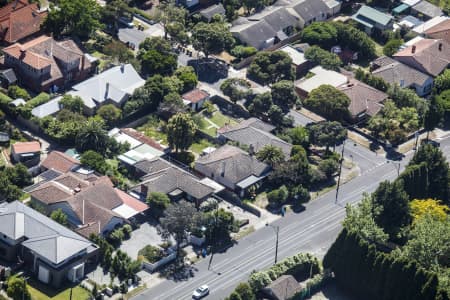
(201, 292)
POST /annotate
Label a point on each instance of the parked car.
(201, 292)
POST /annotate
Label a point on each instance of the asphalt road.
(312, 230)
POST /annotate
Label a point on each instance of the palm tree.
(92, 136)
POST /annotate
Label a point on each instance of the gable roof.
(420, 29)
(195, 95)
(309, 9)
(60, 162)
(26, 147)
(395, 72)
(427, 55)
(283, 287)
(370, 16)
(44, 236)
(47, 109)
(18, 19)
(253, 133)
(443, 26)
(164, 177)
(234, 163)
(364, 99)
(143, 138)
(427, 9)
(209, 12)
(113, 84)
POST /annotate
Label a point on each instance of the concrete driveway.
(145, 235)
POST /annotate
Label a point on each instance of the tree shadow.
(208, 69)
(178, 271)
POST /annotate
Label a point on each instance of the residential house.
(44, 64)
(91, 203)
(113, 86)
(233, 168)
(427, 55)
(283, 288)
(440, 31)
(59, 162)
(19, 20)
(141, 146)
(195, 99)
(50, 108)
(52, 252)
(320, 77)
(255, 134)
(277, 22)
(365, 101)
(426, 10)
(394, 72)
(28, 153)
(209, 12)
(8, 77)
(300, 63)
(158, 175)
(371, 18)
(422, 28)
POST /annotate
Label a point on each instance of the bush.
(127, 229)
(151, 253)
(39, 100)
(243, 51)
(300, 194)
(17, 289)
(326, 59)
(186, 158)
(117, 235)
(278, 197)
(17, 92)
(328, 167)
(259, 280)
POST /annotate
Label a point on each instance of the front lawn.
(40, 291)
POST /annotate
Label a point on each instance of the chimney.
(122, 68)
(413, 49)
(440, 47)
(106, 90)
(222, 173)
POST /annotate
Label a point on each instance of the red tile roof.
(142, 138)
(26, 147)
(19, 19)
(131, 201)
(195, 95)
(60, 162)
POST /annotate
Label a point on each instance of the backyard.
(209, 125)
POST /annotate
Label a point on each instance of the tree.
(187, 75)
(276, 115)
(283, 94)
(442, 82)
(443, 101)
(109, 113)
(407, 98)
(326, 134)
(18, 175)
(92, 136)
(72, 103)
(423, 207)
(329, 102)
(211, 38)
(59, 216)
(219, 224)
(270, 155)
(323, 34)
(93, 160)
(178, 218)
(15, 92)
(392, 203)
(392, 46)
(326, 59)
(158, 202)
(180, 131)
(236, 88)
(373, 81)
(329, 167)
(118, 51)
(433, 116)
(355, 39)
(172, 104)
(299, 135)
(73, 17)
(17, 288)
(156, 56)
(245, 291)
(270, 67)
(252, 4)
(173, 19)
(234, 296)
(296, 171)
(278, 197)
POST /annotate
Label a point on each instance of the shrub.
(243, 51)
(17, 289)
(17, 92)
(259, 280)
(300, 194)
(39, 100)
(279, 196)
(117, 235)
(151, 253)
(127, 229)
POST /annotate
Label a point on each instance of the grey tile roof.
(310, 9)
(9, 75)
(113, 84)
(209, 12)
(47, 109)
(44, 236)
(235, 164)
(254, 133)
(395, 72)
(164, 177)
(427, 9)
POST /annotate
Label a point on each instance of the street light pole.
(213, 234)
(277, 231)
(340, 172)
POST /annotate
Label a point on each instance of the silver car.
(201, 292)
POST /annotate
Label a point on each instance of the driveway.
(132, 36)
(141, 237)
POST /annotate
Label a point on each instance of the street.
(312, 230)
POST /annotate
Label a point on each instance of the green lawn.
(199, 145)
(40, 291)
(151, 129)
(218, 119)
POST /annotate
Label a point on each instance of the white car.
(201, 292)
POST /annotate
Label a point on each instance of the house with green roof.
(371, 18)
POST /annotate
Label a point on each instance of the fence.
(234, 199)
(151, 267)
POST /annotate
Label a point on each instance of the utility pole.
(340, 171)
(277, 231)
(213, 234)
